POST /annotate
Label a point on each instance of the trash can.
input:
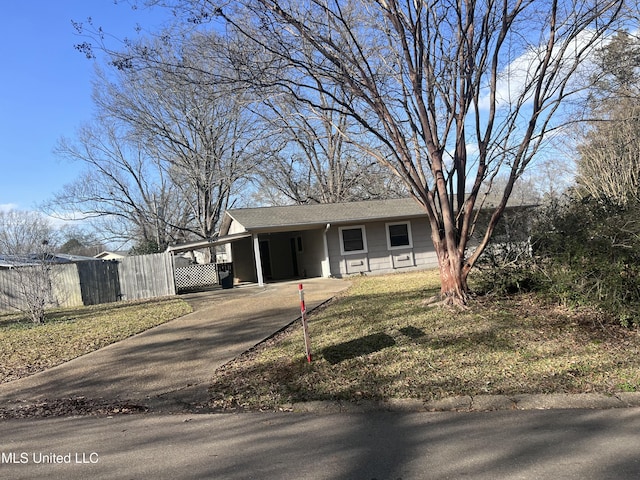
(225, 275)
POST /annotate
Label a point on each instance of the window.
(399, 235)
(353, 240)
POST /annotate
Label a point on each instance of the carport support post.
(256, 255)
(325, 264)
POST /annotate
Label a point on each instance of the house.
(324, 240)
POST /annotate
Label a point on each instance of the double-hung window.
(353, 240)
(399, 235)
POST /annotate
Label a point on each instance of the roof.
(306, 217)
(29, 260)
(107, 255)
(318, 215)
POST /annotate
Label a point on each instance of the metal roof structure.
(199, 244)
(32, 259)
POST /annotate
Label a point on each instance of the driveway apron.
(171, 364)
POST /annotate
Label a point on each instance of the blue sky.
(45, 89)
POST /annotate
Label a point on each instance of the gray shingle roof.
(309, 216)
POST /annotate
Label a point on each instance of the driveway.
(170, 365)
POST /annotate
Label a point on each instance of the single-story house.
(326, 240)
(323, 240)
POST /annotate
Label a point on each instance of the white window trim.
(400, 247)
(364, 240)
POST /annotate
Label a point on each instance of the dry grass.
(26, 348)
(378, 341)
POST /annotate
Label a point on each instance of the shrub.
(590, 252)
(580, 253)
(507, 269)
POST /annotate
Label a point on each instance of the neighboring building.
(29, 260)
(106, 255)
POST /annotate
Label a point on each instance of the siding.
(378, 258)
(243, 261)
(312, 255)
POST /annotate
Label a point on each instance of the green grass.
(26, 348)
(378, 341)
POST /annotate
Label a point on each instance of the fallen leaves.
(70, 407)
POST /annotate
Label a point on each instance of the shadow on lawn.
(355, 348)
(412, 332)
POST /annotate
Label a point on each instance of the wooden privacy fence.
(146, 276)
(62, 278)
(95, 282)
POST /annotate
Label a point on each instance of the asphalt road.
(533, 444)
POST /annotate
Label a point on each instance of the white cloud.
(514, 80)
(7, 207)
(59, 221)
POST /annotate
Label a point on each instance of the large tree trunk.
(454, 289)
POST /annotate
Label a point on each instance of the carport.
(204, 270)
(271, 255)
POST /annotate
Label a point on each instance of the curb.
(479, 403)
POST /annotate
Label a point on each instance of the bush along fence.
(91, 282)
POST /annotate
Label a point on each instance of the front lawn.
(26, 348)
(378, 341)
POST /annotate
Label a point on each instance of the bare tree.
(23, 232)
(205, 136)
(170, 148)
(608, 163)
(315, 162)
(26, 240)
(122, 191)
(452, 92)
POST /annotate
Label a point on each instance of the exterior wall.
(244, 269)
(281, 263)
(305, 248)
(235, 227)
(312, 254)
(379, 257)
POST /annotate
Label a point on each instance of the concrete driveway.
(171, 364)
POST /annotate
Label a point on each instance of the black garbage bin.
(225, 275)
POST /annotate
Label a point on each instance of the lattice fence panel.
(195, 276)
